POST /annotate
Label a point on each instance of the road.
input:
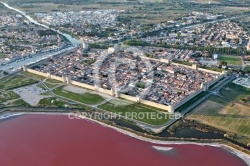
(213, 91)
(157, 128)
(95, 107)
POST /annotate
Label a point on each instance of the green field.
(230, 112)
(231, 60)
(147, 12)
(247, 68)
(136, 111)
(51, 85)
(45, 94)
(5, 96)
(49, 82)
(86, 98)
(19, 103)
(234, 118)
(16, 82)
(53, 81)
(236, 93)
(41, 86)
(153, 11)
(27, 74)
(54, 102)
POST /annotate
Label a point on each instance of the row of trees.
(99, 46)
(46, 32)
(210, 49)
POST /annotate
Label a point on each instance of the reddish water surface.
(55, 140)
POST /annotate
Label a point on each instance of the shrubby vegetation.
(210, 49)
(182, 62)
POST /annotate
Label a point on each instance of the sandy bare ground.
(75, 89)
(30, 94)
(78, 90)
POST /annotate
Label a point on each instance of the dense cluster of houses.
(80, 19)
(220, 34)
(130, 74)
(22, 39)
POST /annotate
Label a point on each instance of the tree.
(223, 63)
(5, 73)
(111, 34)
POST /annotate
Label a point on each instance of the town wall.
(209, 71)
(82, 85)
(178, 64)
(194, 66)
(105, 91)
(146, 102)
(197, 92)
(127, 97)
(37, 72)
(153, 59)
(183, 101)
(213, 82)
(200, 69)
(156, 105)
(56, 78)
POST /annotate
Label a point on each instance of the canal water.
(13, 66)
(70, 38)
(56, 140)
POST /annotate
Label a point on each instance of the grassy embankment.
(191, 101)
(86, 98)
(136, 111)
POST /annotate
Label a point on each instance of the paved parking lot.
(31, 94)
